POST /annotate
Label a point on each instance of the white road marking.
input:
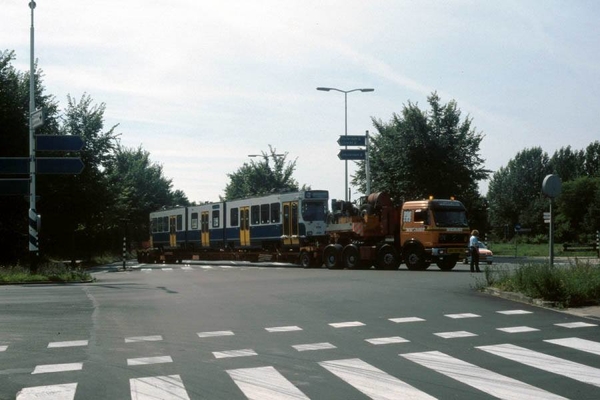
(570, 369)
(206, 267)
(3, 348)
(314, 346)
(146, 269)
(72, 343)
(49, 368)
(454, 335)
(346, 324)
(406, 319)
(158, 387)
(514, 312)
(65, 391)
(149, 360)
(215, 334)
(492, 383)
(372, 381)
(387, 340)
(518, 329)
(135, 339)
(187, 268)
(265, 383)
(167, 269)
(234, 353)
(283, 329)
(578, 344)
(576, 325)
(464, 315)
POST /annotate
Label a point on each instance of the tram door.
(290, 223)
(173, 231)
(204, 233)
(245, 226)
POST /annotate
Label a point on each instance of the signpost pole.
(551, 234)
(368, 167)
(33, 234)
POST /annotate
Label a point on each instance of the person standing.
(474, 251)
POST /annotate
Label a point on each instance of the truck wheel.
(447, 263)
(351, 257)
(387, 258)
(414, 257)
(331, 255)
(306, 260)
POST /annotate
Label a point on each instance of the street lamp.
(327, 89)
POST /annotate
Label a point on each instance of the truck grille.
(454, 238)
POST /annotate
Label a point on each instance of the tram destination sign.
(352, 140)
(352, 155)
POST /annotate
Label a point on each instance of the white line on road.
(492, 383)
(283, 329)
(72, 343)
(406, 319)
(576, 325)
(314, 346)
(3, 348)
(158, 387)
(578, 344)
(464, 315)
(265, 383)
(215, 334)
(514, 312)
(454, 335)
(387, 340)
(187, 268)
(149, 360)
(570, 369)
(167, 269)
(234, 353)
(65, 391)
(135, 339)
(347, 324)
(372, 381)
(48, 368)
(518, 329)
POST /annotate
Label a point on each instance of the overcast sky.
(203, 84)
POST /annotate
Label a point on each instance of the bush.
(45, 273)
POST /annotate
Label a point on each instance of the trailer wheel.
(306, 260)
(447, 263)
(414, 256)
(331, 255)
(387, 258)
(351, 257)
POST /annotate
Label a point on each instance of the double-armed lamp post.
(327, 89)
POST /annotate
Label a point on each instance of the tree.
(578, 210)
(568, 164)
(420, 153)
(260, 177)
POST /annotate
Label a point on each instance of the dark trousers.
(474, 259)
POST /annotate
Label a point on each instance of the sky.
(201, 85)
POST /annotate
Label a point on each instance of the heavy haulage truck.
(377, 233)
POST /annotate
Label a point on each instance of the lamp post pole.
(327, 89)
(32, 215)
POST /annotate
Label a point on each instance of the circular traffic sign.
(552, 186)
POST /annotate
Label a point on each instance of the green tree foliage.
(577, 214)
(269, 175)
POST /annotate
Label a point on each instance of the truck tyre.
(414, 257)
(447, 263)
(351, 257)
(306, 260)
(331, 256)
(387, 258)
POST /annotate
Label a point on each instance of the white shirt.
(473, 242)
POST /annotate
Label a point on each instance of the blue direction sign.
(352, 154)
(12, 187)
(352, 140)
(58, 143)
(44, 165)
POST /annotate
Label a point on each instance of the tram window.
(215, 219)
(255, 215)
(194, 220)
(275, 212)
(234, 216)
(180, 222)
(264, 214)
(166, 224)
(153, 223)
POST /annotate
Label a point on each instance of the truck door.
(173, 231)
(290, 223)
(204, 232)
(244, 226)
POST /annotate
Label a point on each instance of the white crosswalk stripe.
(265, 383)
(371, 381)
(51, 392)
(482, 379)
(545, 362)
(578, 344)
(158, 387)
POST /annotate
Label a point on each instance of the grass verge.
(46, 273)
(574, 285)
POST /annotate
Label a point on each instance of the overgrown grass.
(533, 250)
(575, 285)
(45, 273)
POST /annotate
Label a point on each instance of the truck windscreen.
(450, 218)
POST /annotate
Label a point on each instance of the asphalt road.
(279, 332)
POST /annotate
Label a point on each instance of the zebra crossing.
(378, 382)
